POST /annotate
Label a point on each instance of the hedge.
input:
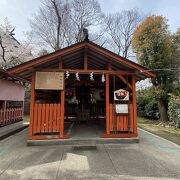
(174, 110)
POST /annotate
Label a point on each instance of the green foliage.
(176, 90)
(158, 50)
(146, 104)
(153, 46)
(174, 110)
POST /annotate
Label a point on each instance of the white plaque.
(122, 108)
(49, 80)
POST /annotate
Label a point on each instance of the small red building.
(11, 98)
(82, 82)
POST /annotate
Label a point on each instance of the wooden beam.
(42, 137)
(60, 63)
(134, 104)
(109, 66)
(85, 58)
(82, 71)
(122, 135)
(125, 81)
(107, 105)
(32, 105)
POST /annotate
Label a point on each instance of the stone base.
(86, 142)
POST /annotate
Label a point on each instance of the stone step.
(82, 141)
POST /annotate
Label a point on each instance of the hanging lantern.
(91, 76)
(67, 74)
(77, 76)
(103, 78)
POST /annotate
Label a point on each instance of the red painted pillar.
(62, 113)
(107, 105)
(134, 104)
(32, 105)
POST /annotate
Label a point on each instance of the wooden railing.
(121, 122)
(10, 115)
(46, 119)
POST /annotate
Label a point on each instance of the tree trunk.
(162, 110)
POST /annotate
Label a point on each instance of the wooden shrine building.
(11, 98)
(82, 83)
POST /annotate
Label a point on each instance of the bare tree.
(120, 27)
(59, 23)
(47, 25)
(84, 14)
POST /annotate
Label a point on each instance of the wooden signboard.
(121, 95)
(49, 80)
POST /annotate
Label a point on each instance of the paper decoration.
(103, 78)
(67, 74)
(91, 76)
(77, 76)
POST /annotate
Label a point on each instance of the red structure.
(83, 82)
(11, 98)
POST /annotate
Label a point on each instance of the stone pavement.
(10, 129)
(152, 158)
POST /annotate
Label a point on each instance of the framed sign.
(49, 80)
(121, 94)
(122, 108)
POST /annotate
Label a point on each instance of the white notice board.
(122, 108)
(49, 80)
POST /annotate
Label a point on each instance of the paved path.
(10, 129)
(152, 158)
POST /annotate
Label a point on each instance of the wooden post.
(60, 63)
(85, 58)
(22, 105)
(134, 104)
(4, 109)
(107, 104)
(4, 105)
(62, 114)
(32, 105)
(62, 95)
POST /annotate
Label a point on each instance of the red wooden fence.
(121, 122)
(10, 115)
(46, 119)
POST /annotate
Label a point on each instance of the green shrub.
(174, 110)
(176, 90)
(146, 104)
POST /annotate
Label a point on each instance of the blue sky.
(19, 11)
